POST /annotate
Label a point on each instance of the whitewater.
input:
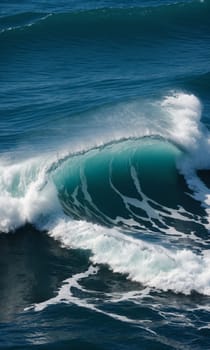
(104, 175)
(29, 195)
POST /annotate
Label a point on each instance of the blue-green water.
(104, 174)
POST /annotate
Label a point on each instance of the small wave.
(21, 21)
(111, 22)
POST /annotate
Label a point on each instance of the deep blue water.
(104, 174)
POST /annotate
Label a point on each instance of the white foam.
(177, 117)
(181, 271)
(25, 195)
(186, 129)
(66, 296)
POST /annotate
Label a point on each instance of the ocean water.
(105, 174)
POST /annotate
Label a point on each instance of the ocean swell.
(113, 22)
(127, 200)
(113, 183)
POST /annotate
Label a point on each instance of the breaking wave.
(137, 203)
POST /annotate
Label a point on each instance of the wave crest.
(114, 184)
(131, 21)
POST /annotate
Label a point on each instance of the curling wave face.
(111, 195)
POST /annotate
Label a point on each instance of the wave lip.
(126, 169)
(33, 191)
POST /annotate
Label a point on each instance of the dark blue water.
(104, 174)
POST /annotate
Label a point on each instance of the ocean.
(105, 174)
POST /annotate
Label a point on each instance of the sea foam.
(28, 191)
(28, 194)
(178, 270)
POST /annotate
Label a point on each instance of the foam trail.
(181, 271)
(66, 296)
(200, 191)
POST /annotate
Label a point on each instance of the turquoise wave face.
(104, 151)
(133, 184)
(132, 181)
